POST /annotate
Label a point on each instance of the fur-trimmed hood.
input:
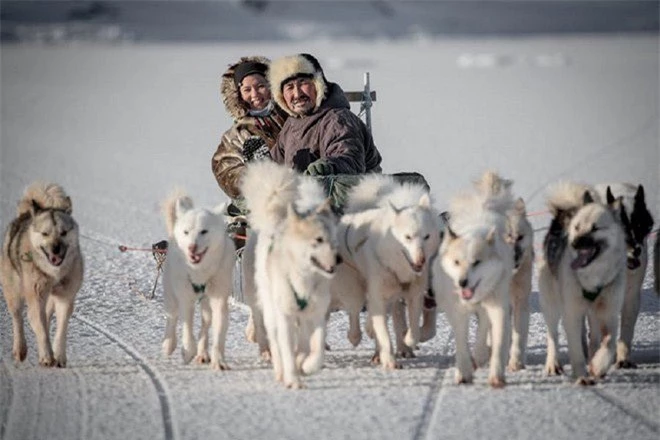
(291, 66)
(230, 93)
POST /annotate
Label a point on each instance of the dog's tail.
(171, 207)
(496, 191)
(370, 192)
(268, 189)
(566, 196)
(45, 196)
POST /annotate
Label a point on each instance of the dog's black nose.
(57, 248)
(637, 251)
(339, 259)
(463, 282)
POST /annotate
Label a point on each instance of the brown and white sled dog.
(388, 234)
(295, 259)
(583, 276)
(42, 266)
(198, 269)
(637, 224)
(472, 275)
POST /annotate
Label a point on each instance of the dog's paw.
(496, 381)
(626, 364)
(295, 385)
(553, 369)
(60, 360)
(463, 379)
(406, 353)
(220, 366)
(390, 365)
(585, 381)
(187, 355)
(202, 358)
(47, 360)
(409, 340)
(375, 359)
(515, 365)
(265, 355)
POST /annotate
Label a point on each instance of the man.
(322, 136)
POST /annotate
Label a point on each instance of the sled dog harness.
(301, 302)
(199, 289)
(591, 296)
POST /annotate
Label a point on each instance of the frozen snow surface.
(119, 122)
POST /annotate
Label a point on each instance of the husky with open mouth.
(41, 259)
(637, 223)
(198, 269)
(583, 276)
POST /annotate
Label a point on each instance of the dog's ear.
(35, 208)
(609, 196)
(639, 197)
(183, 205)
(221, 210)
(490, 237)
(325, 207)
(394, 208)
(425, 200)
(291, 212)
(587, 198)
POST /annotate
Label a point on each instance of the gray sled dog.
(295, 259)
(472, 275)
(637, 224)
(583, 275)
(43, 267)
(388, 234)
(198, 269)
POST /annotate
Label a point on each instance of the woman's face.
(255, 91)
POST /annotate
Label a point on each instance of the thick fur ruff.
(473, 272)
(294, 255)
(589, 280)
(198, 269)
(231, 95)
(288, 67)
(386, 250)
(42, 265)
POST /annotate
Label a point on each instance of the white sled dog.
(637, 223)
(387, 237)
(198, 269)
(42, 265)
(583, 275)
(473, 274)
(295, 259)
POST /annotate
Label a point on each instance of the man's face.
(300, 95)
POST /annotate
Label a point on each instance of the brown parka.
(332, 132)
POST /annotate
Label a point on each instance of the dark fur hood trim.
(230, 93)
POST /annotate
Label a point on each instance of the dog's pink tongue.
(195, 258)
(55, 260)
(467, 294)
(582, 258)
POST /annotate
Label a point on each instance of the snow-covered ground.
(120, 125)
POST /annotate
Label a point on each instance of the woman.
(257, 122)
